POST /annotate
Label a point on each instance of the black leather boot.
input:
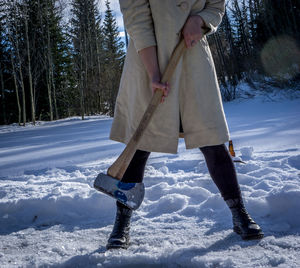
(119, 238)
(243, 224)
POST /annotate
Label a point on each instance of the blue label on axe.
(125, 185)
(120, 196)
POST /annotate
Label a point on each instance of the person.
(191, 101)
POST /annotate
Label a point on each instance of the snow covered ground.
(50, 215)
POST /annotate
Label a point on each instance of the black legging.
(218, 161)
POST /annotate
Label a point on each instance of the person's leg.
(222, 171)
(136, 168)
(119, 237)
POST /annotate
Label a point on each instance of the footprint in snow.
(294, 161)
(167, 204)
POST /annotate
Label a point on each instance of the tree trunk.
(241, 28)
(16, 88)
(21, 79)
(3, 96)
(51, 81)
(86, 80)
(49, 74)
(54, 94)
(29, 74)
(81, 83)
(98, 76)
(220, 54)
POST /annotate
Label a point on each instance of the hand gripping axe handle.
(132, 194)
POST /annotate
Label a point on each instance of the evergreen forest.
(54, 65)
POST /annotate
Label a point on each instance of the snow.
(51, 216)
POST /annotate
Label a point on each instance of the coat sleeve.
(138, 22)
(212, 13)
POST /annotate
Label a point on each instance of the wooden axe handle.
(118, 168)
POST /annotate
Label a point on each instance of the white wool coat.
(194, 96)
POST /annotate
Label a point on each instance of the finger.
(187, 40)
(165, 93)
(187, 43)
(192, 42)
(195, 40)
(167, 90)
(159, 85)
(164, 87)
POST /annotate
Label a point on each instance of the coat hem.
(198, 140)
(148, 142)
(170, 145)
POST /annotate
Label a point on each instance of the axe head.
(129, 194)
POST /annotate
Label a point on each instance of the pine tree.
(114, 56)
(86, 37)
(14, 25)
(38, 57)
(66, 93)
(3, 65)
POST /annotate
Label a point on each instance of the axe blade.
(129, 194)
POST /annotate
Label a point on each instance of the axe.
(132, 194)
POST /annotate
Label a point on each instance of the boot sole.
(111, 246)
(253, 237)
(257, 236)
